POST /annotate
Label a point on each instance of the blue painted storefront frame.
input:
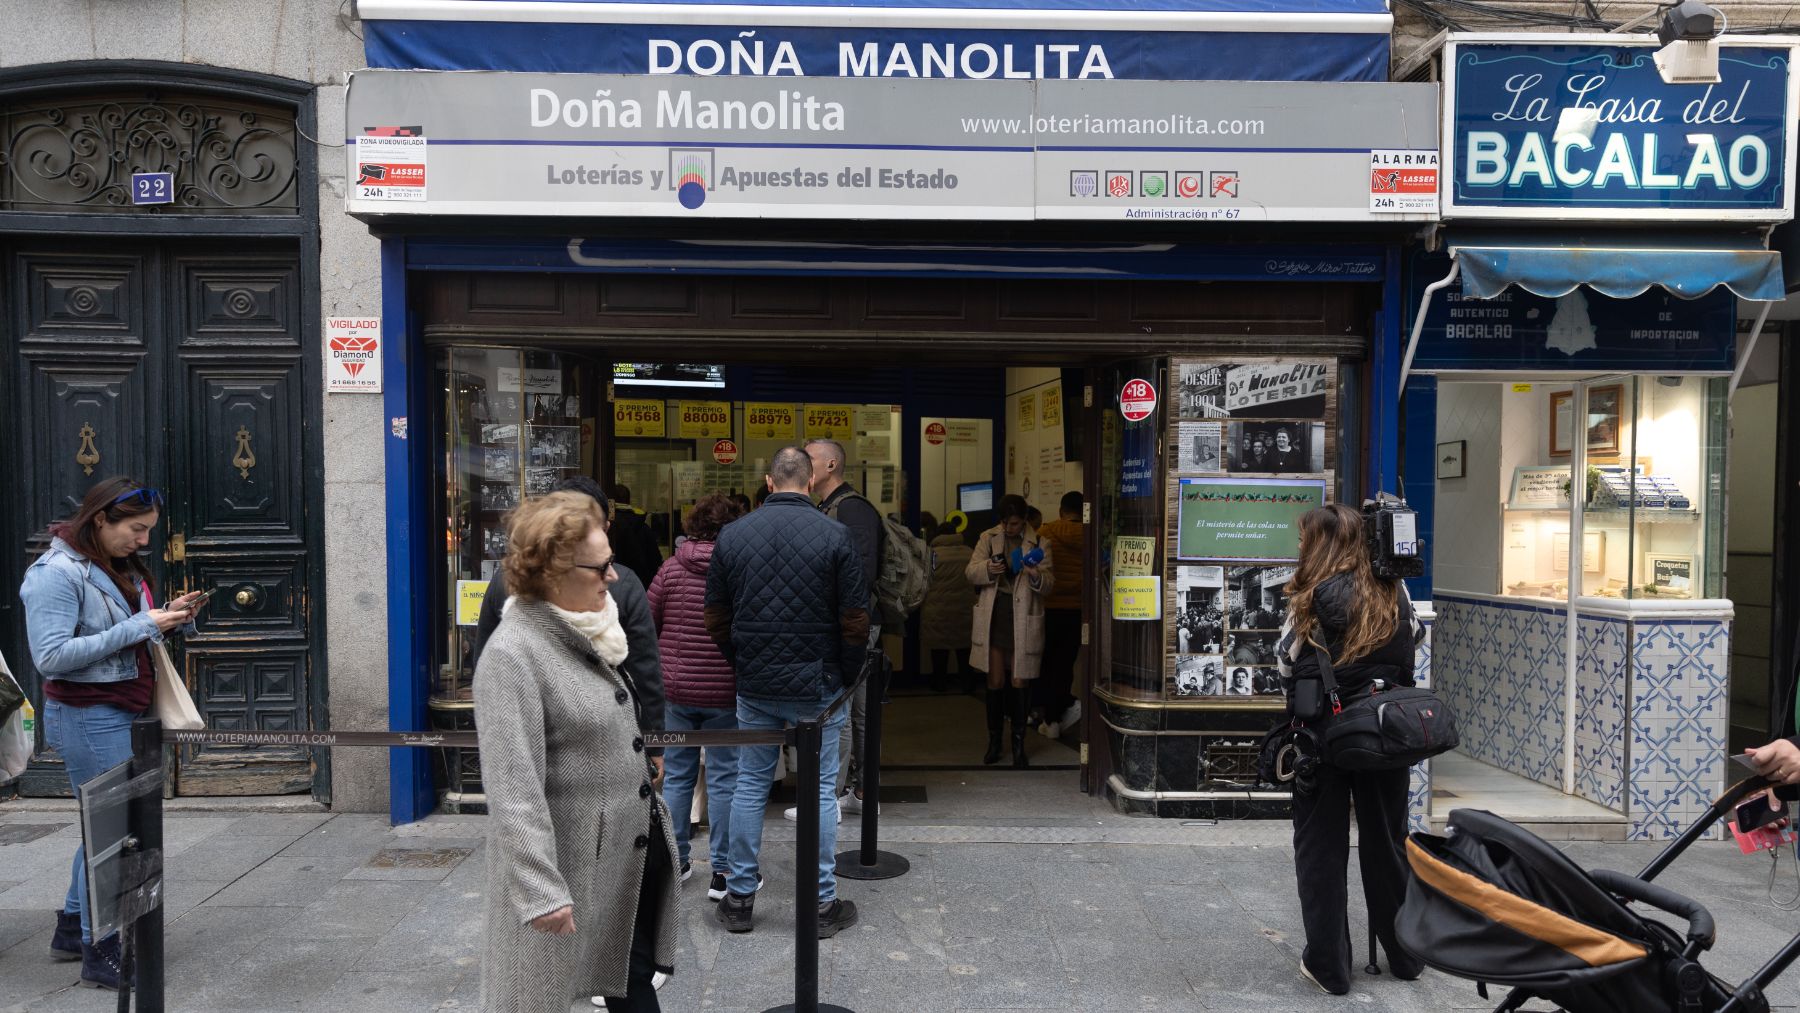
(412, 794)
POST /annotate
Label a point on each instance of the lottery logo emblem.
(1118, 184)
(1153, 184)
(1224, 184)
(1084, 183)
(690, 175)
(1189, 184)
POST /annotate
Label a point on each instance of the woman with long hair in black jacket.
(1338, 607)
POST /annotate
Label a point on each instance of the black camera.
(1391, 532)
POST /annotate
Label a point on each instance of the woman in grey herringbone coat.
(581, 896)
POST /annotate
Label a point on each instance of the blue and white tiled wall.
(1418, 795)
(1679, 707)
(1600, 708)
(1651, 702)
(1499, 665)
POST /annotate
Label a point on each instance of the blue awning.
(1166, 40)
(1620, 265)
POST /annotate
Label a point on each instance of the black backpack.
(1383, 728)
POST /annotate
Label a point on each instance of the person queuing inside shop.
(699, 685)
(562, 759)
(1013, 572)
(1064, 538)
(841, 502)
(1367, 627)
(643, 660)
(636, 543)
(949, 603)
(91, 618)
(788, 606)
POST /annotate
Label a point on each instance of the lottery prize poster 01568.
(1241, 396)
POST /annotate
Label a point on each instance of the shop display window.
(512, 427)
(1650, 489)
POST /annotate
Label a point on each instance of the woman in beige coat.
(581, 892)
(1007, 638)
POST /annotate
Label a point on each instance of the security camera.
(1688, 21)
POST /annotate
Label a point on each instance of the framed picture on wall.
(1450, 458)
(1602, 420)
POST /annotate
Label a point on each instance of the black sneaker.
(835, 917)
(101, 964)
(736, 912)
(65, 944)
(716, 890)
(687, 871)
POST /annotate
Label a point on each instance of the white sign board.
(591, 145)
(353, 355)
(389, 169)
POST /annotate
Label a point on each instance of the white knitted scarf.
(602, 629)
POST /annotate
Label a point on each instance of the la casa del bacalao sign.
(1585, 127)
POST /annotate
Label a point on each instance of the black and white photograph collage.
(1251, 418)
(1227, 619)
(1260, 418)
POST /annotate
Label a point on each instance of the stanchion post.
(807, 741)
(868, 862)
(145, 813)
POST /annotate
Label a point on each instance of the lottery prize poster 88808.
(1250, 440)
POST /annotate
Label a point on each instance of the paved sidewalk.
(1087, 911)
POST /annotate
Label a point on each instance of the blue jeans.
(756, 770)
(680, 767)
(91, 741)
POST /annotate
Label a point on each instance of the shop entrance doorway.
(935, 448)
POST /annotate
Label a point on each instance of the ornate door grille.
(77, 153)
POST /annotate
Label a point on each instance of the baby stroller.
(1495, 904)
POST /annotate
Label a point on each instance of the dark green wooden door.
(179, 363)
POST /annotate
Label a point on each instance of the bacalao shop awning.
(1162, 40)
(1674, 185)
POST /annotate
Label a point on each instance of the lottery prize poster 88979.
(1250, 441)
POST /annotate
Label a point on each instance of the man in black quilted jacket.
(787, 604)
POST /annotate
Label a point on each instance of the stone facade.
(315, 41)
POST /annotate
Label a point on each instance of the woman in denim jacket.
(90, 618)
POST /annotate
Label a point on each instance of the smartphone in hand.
(1759, 825)
(1758, 811)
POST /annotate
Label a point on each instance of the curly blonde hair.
(542, 536)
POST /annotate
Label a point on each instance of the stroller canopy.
(1492, 902)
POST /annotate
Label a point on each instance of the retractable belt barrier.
(464, 740)
(148, 738)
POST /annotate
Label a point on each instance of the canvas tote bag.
(174, 707)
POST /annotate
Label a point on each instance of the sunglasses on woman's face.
(147, 496)
(599, 568)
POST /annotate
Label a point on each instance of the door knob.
(247, 598)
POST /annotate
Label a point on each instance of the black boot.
(65, 944)
(996, 717)
(1018, 729)
(102, 963)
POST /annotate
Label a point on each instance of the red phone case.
(1765, 838)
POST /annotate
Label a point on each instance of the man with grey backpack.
(894, 563)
